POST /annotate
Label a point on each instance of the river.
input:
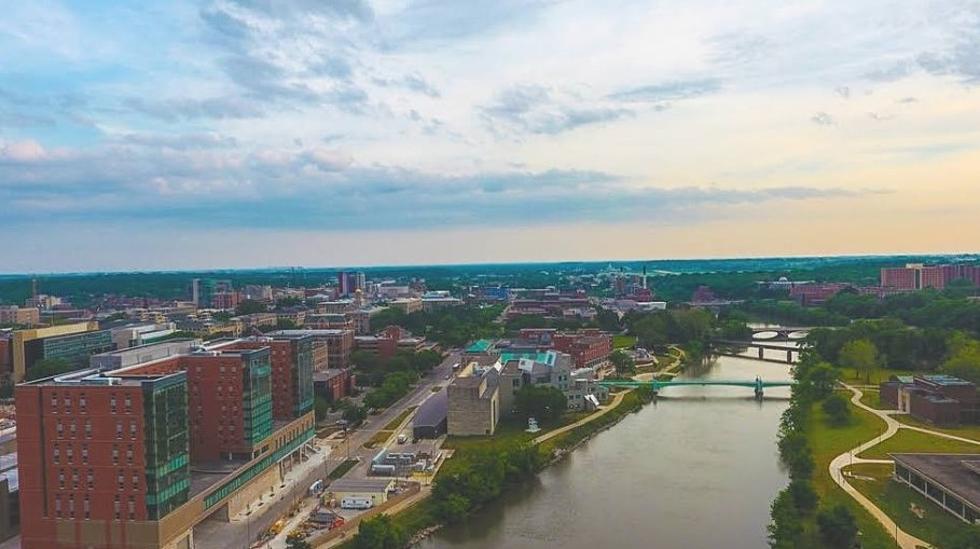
(698, 468)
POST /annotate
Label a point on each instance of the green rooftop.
(479, 346)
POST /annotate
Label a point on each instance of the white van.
(356, 503)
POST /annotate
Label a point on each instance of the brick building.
(21, 316)
(389, 341)
(334, 384)
(588, 348)
(937, 399)
(292, 370)
(332, 348)
(916, 276)
(109, 458)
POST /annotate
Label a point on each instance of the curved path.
(601, 412)
(904, 539)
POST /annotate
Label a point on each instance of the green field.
(623, 341)
(897, 501)
(881, 375)
(828, 442)
(872, 399)
(908, 441)
(342, 469)
(965, 431)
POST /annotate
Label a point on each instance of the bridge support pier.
(789, 357)
(758, 388)
(761, 353)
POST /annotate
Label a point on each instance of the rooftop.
(360, 485)
(957, 473)
(544, 357)
(479, 346)
(945, 380)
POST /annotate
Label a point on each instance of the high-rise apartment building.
(101, 460)
(21, 316)
(292, 370)
(105, 454)
(348, 282)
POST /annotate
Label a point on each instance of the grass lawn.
(827, 442)
(906, 440)
(623, 341)
(966, 431)
(342, 469)
(850, 376)
(897, 499)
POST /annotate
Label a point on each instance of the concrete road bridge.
(782, 333)
(758, 384)
(729, 347)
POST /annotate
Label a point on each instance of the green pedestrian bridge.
(758, 384)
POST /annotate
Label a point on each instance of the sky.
(252, 133)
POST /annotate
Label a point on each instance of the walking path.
(904, 539)
(601, 412)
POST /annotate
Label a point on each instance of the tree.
(804, 498)
(821, 379)
(837, 410)
(250, 306)
(964, 359)
(862, 355)
(622, 361)
(541, 402)
(785, 526)
(47, 367)
(380, 532)
(838, 526)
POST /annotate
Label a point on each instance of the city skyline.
(226, 134)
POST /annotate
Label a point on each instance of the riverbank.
(423, 518)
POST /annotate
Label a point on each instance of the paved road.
(903, 538)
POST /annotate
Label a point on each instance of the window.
(61, 478)
(136, 481)
(129, 403)
(69, 453)
(85, 453)
(56, 454)
(87, 507)
(82, 402)
(90, 479)
(115, 455)
(74, 478)
(112, 402)
(132, 429)
(119, 479)
(57, 506)
(119, 429)
(54, 401)
(115, 507)
(74, 427)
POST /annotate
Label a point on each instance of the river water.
(696, 469)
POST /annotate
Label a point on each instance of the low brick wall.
(331, 535)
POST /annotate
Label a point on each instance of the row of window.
(68, 401)
(87, 507)
(87, 427)
(75, 479)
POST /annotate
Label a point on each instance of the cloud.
(879, 116)
(539, 110)
(22, 152)
(843, 91)
(822, 119)
(324, 188)
(669, 91)
(178, 109)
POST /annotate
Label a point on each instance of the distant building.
(257, 293)
(74, 343)
(134, 335)
(225, 300)
(203, 290)
(407, 305)
(349, 282)
(917, 276)
(936, 399)
(20, 316)
(389, 341)
(43, 302)
(703, 294)
(815, 294)
(332, 348)
(436, 303)
(951, 481)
